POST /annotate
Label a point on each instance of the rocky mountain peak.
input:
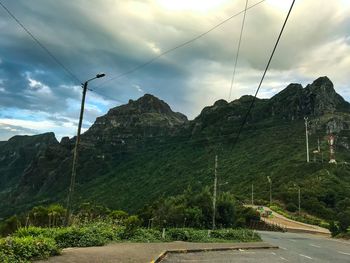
(323, 98)
(150, 104)
(147, 116)
(322, 86)
(315, 99)
(47, 138)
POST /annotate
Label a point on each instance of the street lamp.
(270, 182)
(75, 153)
(307, 139)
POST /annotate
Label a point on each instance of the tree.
(118, 216)
(226, 211)
(344, 220)
(9, 226)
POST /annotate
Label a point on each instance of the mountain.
(17, 153)
(141, 151)
(146, 117)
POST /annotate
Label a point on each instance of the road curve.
(293, 247)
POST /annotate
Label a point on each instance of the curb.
(197, 250)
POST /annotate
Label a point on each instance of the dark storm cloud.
(115, 36)
(7, 131)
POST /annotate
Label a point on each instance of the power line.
(263, 77)
(140, 66)
(36, 40)
(238, 49)
(106, 96)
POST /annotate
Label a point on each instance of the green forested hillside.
(142, 151)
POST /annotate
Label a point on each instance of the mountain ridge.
(144, 143)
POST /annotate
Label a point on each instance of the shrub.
(81, 237)
(131, 224)
(9, 258)
(9, 226)
(22, 249)
(333, 228)
(291, 207)
(34, 232)
(118, 216)
(178, 234)
(240, 235)
(198, 235)
(96, 234)
(147, 235)
(344, 221)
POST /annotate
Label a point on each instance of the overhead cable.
(140, 66)
(41, 45)
(262, 78)
(238, 49)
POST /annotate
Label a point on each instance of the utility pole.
(215, 185)
(270, 182)
(75, 153)
(307, 139)
(252, 194)
(299, 199)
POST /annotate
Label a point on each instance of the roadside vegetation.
(41, 232)
(293, 214)
(338, 226)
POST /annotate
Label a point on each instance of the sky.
(93, 36)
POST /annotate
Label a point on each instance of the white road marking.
(305, 256)
(314, 245)
(292, 240)
(273, 253)
(283, 258)
(343, 253)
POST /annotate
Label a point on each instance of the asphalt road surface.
(293, 248)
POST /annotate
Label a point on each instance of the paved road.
(291, 225)
(135, 252)
(293, 248)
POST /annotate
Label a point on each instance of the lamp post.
(270, 182)
(252, 194)
(75, 153)
(307, 139)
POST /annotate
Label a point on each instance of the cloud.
(7, 130)
(115, 36)
(138, 88)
